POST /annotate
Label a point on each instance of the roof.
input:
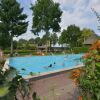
(42, 47)
(93, 38)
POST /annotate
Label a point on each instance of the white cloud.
(81, 15)
(74, 12)
(95, 4)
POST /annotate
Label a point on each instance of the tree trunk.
(46, 47)
(11, 52)
(47, 42)
(50, 46)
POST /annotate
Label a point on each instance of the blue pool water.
(39, 64)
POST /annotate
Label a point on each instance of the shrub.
(80, 49)
(89, 81)
(21, 52)
(10, 83)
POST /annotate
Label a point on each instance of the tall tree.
(38, 40)
(45, 38)
(22, 41)
(46, 16)
(63, 37)
(86, 32)
(12, 19)
(31, 41)
(71, 36)
(4, 41)
(54, 38)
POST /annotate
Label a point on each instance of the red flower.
(86, 55)
(80, 98)
(95, 45)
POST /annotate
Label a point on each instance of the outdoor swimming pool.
(41, 64)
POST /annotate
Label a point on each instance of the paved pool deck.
(54, 87)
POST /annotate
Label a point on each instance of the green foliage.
(89, 81)
(45, 38)
(22, 52)
(10, 83)
(18, 83)
(80, 49)
(63, 38)
(12, 20)
(22, 41)
(86, 33)
(31, 41)
(4, 40)
(53, 38)
(46, 16)
(71, 36)
(38, 41)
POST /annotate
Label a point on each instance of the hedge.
(21, 51)
(80, 49)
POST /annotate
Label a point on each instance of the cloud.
(79, 13)
(74, 12)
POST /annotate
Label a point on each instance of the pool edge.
(49, 74)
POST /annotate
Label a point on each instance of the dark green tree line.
(12, 20)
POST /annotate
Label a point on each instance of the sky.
(76, 12)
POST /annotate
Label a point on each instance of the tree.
(63, 37)
(31, 41)
(38, 41)
(71, 36)
(15, 44)
(4, 41)
(86, 32)
(46, 16)
(12, 19)
(45, 38)
(54, 38)
(22, 41)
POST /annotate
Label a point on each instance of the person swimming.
(50, 65)
(54, 63)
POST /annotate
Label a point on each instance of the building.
(57, 47)
(93, 38)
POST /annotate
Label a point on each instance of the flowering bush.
(75, 74)
(89, 81)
